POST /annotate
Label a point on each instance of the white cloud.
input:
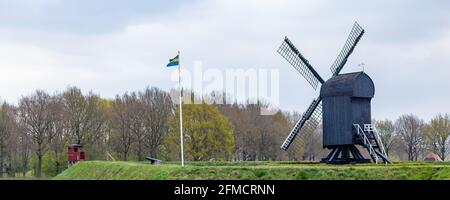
(245, 34)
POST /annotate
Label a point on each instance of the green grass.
(93, 170)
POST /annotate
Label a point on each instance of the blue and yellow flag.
(174, 61)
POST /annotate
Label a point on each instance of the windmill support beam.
(345, 154)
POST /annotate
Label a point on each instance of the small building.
(345, 101)
(431, 157)
(75, 154)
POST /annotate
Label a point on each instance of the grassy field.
(255, 171)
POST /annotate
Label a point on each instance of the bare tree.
(410, 130)
(7, 126)
(122, 136)
(25, 144)
(84, 116)
(386, 130)
(137, 111)
(270, 130)
(257, 137)
(158, 108)
(59, 131)
(292, 152)
(437, 135)
(248, 133)
(313, 144)
(244, 130)
(36, 114)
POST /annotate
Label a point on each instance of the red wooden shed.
(75, 154)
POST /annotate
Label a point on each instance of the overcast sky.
(113, 46)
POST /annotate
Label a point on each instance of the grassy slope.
(255, 170)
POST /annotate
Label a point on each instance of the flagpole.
(181, 110)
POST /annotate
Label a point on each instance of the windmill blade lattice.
(307, 123)
(289, 52)
(352, 40)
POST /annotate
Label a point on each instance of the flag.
(174, 61)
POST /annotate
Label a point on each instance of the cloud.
(406, 45)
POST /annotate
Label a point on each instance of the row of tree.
(41, 127)
(35, 133)
(410, 138)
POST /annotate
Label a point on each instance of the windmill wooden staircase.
(371, 141)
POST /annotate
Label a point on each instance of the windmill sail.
(307, 124)
(353, 39)
(296, 59)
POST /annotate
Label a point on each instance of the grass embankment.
(255, 171)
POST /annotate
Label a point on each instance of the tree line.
(411, 138)
(35, 133)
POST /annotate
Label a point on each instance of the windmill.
(343, 107)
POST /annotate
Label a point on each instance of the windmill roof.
(357, 84)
